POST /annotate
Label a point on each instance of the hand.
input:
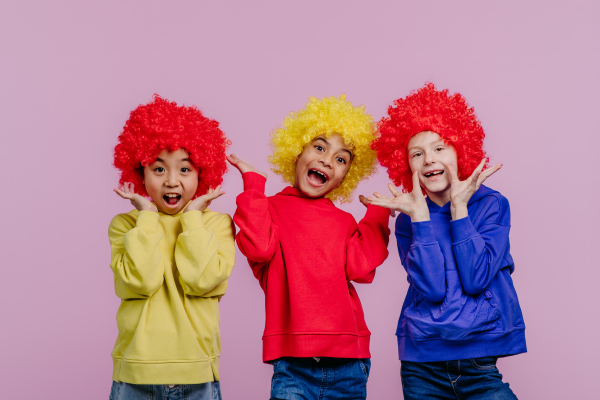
(200, 203)
(462, 191)
(243, 166)
(139, 202)
(412, 204)
(366, 203)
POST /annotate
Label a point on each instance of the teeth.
(171, 195)
(319, 172)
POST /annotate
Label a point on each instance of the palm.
(462, 191)
(412, 204)
(202, 202)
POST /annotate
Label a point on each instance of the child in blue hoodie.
(461, 311)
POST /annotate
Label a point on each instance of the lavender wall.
(71, 71)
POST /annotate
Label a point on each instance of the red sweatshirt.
(305, 252)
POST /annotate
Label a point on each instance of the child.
(305, 251)
(461, 311)
(171, 257)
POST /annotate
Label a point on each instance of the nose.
(172, 179)
(429, 158)
(326, 160)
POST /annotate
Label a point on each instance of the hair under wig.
(325, 117)
(160, 125)
(428, 109)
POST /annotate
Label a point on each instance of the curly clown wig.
(326, 117)
(160, 125)
(428, 109)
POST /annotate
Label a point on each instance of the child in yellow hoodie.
(170, 257)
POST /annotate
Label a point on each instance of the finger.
(122, 194)
(416, 184)
(393, 189)
(393, 213)
(379, 195)
(488, 172)
(452, 171)
(363, 200)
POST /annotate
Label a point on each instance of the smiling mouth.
(316, 177)
(172, 199)
(433, 173)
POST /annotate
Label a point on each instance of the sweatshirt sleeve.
(424, 262)
(367, 246)
(136, 260)
(479, 253)
(258, 238)
(204, 255)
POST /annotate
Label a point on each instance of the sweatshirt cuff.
(423, 232)
(254, 181)
(378, 213)
(147, 220)
(191, 220)
(462, 229)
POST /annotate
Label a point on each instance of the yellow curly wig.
(326, 116)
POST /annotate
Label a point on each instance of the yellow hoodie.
(170, 273)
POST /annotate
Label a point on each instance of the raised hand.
(243, 166)
(462, 191)
(366, 203)
(139, 202)
(412, 204)
(200, 203)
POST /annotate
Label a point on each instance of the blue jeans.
(473, 379)
(202, 391)
(326, 379)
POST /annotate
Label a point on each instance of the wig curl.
(428, 109)
(160, 125)
(326, 117)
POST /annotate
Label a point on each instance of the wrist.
(420, 216)
(459, 212)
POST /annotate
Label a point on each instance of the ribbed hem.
(170, 373)
(254, 181)
(462, 229)
(315, 345)
(147, 221)
(482, 346)
(191, 220)
(423, 232)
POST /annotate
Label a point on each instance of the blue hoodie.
(461, 302)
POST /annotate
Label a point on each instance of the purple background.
(71, 71)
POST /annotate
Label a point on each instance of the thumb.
(415, 181)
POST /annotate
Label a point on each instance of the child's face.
(429, 155)
(322, 165)
(171, 180)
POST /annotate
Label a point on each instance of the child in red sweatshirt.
(305, 251)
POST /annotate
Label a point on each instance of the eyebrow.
(183, 159)
(329, 144)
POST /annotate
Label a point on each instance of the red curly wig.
(428, 109)
(162, 124)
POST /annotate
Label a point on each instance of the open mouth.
(316, 177)
(432, 174)
(171, 199)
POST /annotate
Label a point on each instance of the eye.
(319, 147)
(159, 169)
(440, 148)
(417, 154)
(185, 170)
(341, 160)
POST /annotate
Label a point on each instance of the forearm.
(204, 257)
(367, 247)
(136, 259)
(257, 238)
